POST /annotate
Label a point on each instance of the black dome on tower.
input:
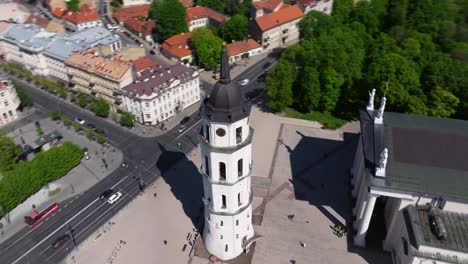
(225, 103)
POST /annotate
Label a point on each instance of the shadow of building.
(185, 181)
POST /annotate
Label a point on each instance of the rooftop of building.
(198, 12)
(124, 13)
(143, 63)
(422, 231)
(64, 45)
(280, 17)
(178, 45)
(239, 47)
(28, 36)
(269, 5)
(13, 11)
(143, 26)
(4, 82)
(308, 2)
(426, 155)
(46, 138)
(86, 14)
(111, 69)
(187, 3)
(151, 79)
(4, 26)
(39, 20)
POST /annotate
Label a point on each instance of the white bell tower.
(226, 168)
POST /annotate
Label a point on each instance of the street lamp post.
(72, 235)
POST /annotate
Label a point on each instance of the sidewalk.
(76, 181)
(242, 65)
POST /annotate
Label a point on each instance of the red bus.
(41, 213)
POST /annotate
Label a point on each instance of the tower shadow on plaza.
(185, 181)
(320, 175)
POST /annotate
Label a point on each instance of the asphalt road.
(148, 159)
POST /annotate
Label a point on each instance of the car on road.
(181, 128)
(114, 197)
(61, 241)
(80, 121)
(244, 82)
(185, 120)
(105, 194)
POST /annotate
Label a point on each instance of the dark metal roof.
(427, 155)
(226, 103)
(420, 233)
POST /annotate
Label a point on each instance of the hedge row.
(28, 177)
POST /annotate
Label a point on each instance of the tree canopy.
(73, 5)
(236, 28)
(100, 107)
(218, 5)
(413, 52)
(170, 16)
(207, 47)
(127, 119)
(9, 152)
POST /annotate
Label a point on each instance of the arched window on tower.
(222, 171)
(223, 204)
(207, 168)
(207, 131)
(238, 135)
(240, 167)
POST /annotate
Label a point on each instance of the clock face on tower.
(220, 132)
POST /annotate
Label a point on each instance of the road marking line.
(188, 129)
(50, 235)
(113, 186)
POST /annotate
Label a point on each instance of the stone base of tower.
(202, 253)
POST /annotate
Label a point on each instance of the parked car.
(80, 121)
(114, 197)
(181, 128)
(105, 194)
(61, 241)
(185, 120)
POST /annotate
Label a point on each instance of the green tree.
(100, 138)
(243, 8)
(127, 119)
(218, 5)
(315, 23)
(171, 17)
(207, 47)
(24, 98)
(66, 120)
(308, 92)
(82, 101)
(76, 126)
(236, 28)
(442, 103)
(279, 82)
(331, 89)
(73, 5)
(9, 152)
(89, 133)
(55, 114)
(100, 107)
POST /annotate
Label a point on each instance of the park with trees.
(20, 178)
(413, 52)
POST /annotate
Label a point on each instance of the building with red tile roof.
(87, 17)
(324, 6)
(279, 29)
(243, 49)
(262, 7)
(125, 13)
(143, 63)
(200, 16)
(58, 11)
(177, 47)
(127, 3)
(142, 27)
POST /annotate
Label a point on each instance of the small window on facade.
(221, 224)
(240, 168)
(237, 222)
(223, 200)
(226, 248)
(207, 133)
(405, 245)
(239, 199)
(221, 236)
(222, 171)
(207, 168)
(238, 135)
(237, 235)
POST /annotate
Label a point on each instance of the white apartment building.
(279, 29)
(412, 171)
(44, 53)
(103, 78)
(135, 2)
(324, 6)
(159, 94)
(87, 17)
(9, 102)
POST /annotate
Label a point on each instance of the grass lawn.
(326, 119)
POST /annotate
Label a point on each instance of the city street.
(85, 213)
